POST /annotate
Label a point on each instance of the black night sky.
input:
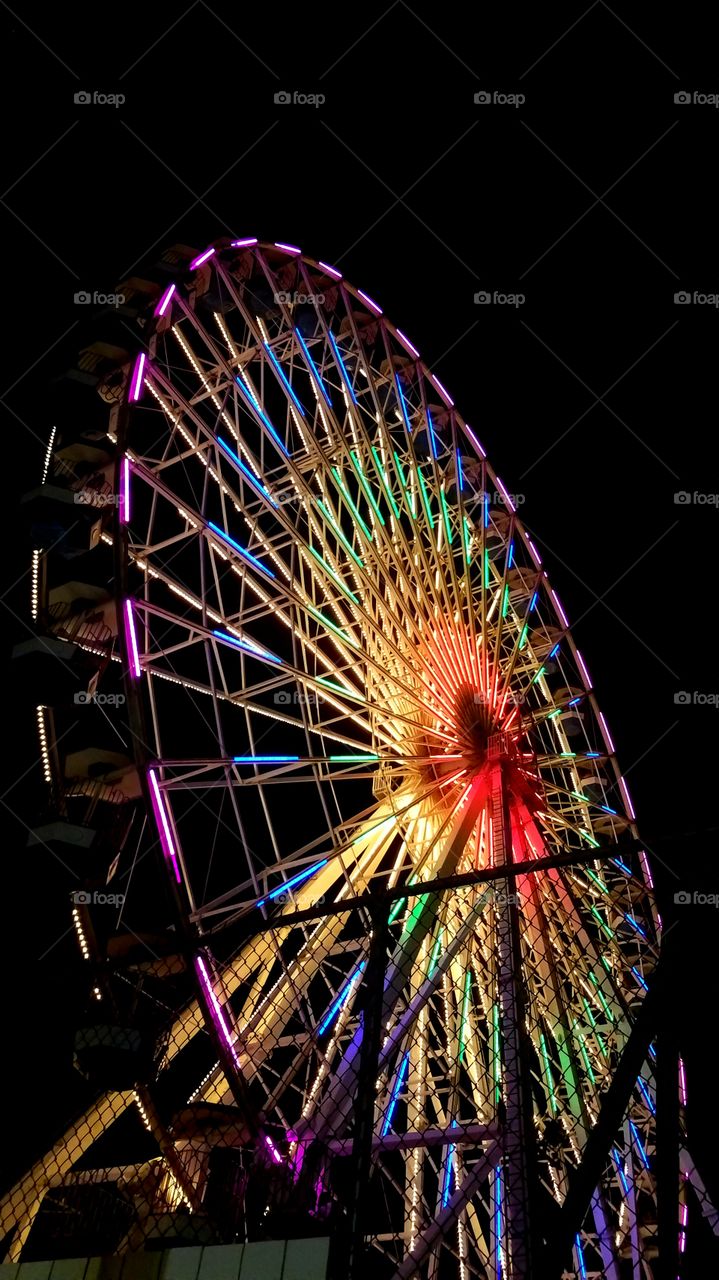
(595, 396)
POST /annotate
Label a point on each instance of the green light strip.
(425, 498)
(467, 540)
(330, 625)
(445, 514)
(487, 573)
(465, 1015)
(347, 546)
(548, 1075)
(338, 688)
(593, 911)
(333, 575)
(596, 880)
(385, 482)
(434, 958)
(367, 532)
(408, 497)
(505, 601)
(366, 487)
(600, 997)
(353, 759)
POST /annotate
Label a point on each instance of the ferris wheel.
(348, 675)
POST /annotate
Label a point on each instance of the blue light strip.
(510, 558)
(283, 378)
(640, 979)
(242, 550)
(620, 1170)
(253, 479)
(645, 1094)
(532, 605)
(313, 367)
(580, 1258)
(340, 999)
(486, 510)
(640, 1147)
(630, 920)
(622, 866)
(402, 403)
(447, 1187)
(460, 470)
(399, 1081)
(262, 416)
(295, 880)
(341, 363)
(555, 651)
(246, 647)
(498, 1226)
(432, 439)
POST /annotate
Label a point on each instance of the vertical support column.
(366, 1095)
(516, 1118)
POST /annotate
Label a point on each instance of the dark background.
(595, 398)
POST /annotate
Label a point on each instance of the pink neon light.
(197, 262)
(273, 1150)
(627, 799)
(135, 668)
(442, 390)
(403, 338)
(682, 1083)
(475, 441)
(534, 553)
(137, 377)
(372, 305)
(646, 869)
(288, 248)
(331, 271)
(504, 493)
(583, 668)
(168, 844)
(216, 1008)
(607, 734)
(242, 244)
(164, 302)
(125, 492)
(560, 610)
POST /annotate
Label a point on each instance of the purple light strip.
(682, 1083)
(288, 248)
(504, 493)
(560, 610)
(475, 441)
(131, 636)
(331, 271)
(125, 491)
(273, 1149)
(406, 342)
(607, 734)
(163, 825)
(534, 553)
(583, 668)
(137, 377)
(627, 798)
(372, 305)
(242, 244)
(164, 302)
(442, 390)
(197, 262)
(646, 869)
(216, 1008)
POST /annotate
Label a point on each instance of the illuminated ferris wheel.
(348, 675)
